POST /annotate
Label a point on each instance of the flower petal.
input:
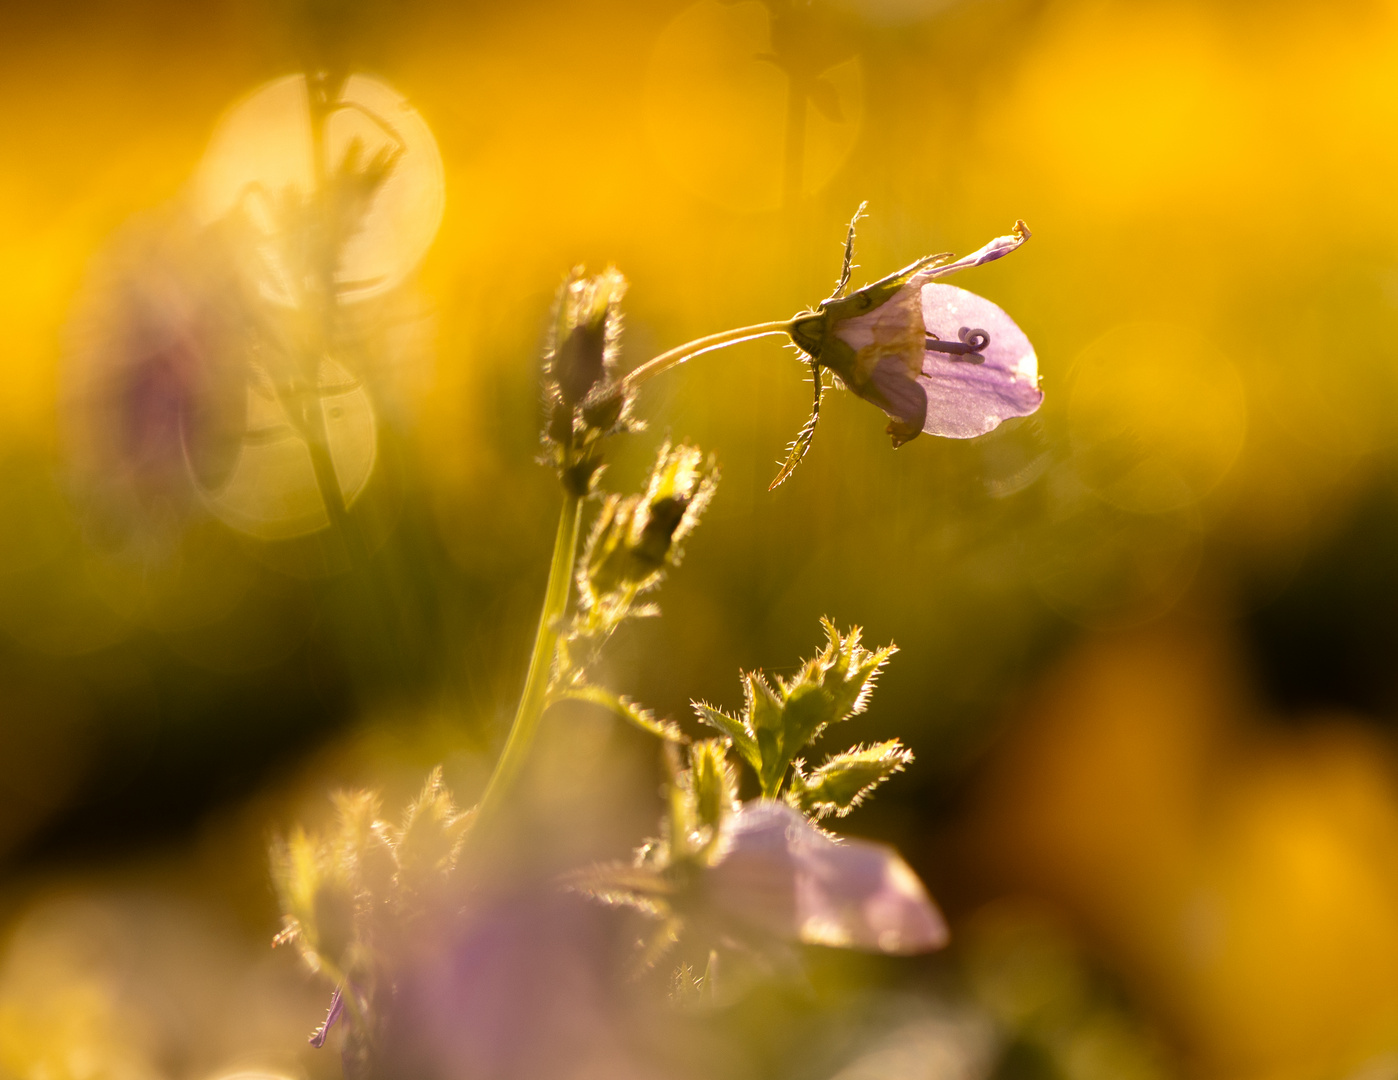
(997, 248)
(966, 398)
(885, 328)
(900, 395)
(782, 875)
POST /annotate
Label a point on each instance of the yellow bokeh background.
(1212, 292)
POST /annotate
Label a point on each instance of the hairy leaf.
(734, 728)
(845, 780)
(625, 708)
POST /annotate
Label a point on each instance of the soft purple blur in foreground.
(528, 986)
(967, 399)
(783, 876)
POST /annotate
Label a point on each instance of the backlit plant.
(725, 885)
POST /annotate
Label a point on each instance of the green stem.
(536, 684)
(690, 349)
(565, 546)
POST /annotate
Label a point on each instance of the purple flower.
(778, 874)
(522, 986)
(769, 876)
(156, 383)
(935, 358)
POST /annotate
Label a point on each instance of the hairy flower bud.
(586, 332)
(584, 402)
(637, 536)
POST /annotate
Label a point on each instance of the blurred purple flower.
(935, 358)
(778, 874)
(526, 986)
(156, 382)
(770, 877)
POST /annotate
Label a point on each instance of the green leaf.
(809, 708)
(846, 670)
(625, 708)
(622, 884)
(712, 783)
(734, 728)
(778, 722)
(762, 706)
(796, 452)
(430, 839)
(846, 779)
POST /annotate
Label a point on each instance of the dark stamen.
(968, 349)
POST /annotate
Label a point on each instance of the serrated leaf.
(618, 883)
(763, 706)
(430, 839)
(796, 452)
(847, 670)
(733, 728)
(777, 723)
(845, 780)
(625, 708)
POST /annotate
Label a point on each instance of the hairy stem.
(535, 698)
(690, 349)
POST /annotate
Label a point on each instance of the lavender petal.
(965, 398)
(996, 249)
(900, 395)
(782, 875)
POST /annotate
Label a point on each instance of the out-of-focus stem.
(536, 683)
(342, 524)
(323, 303)
(795, 156)
(690, 349)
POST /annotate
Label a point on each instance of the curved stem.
(690, 349)
(536, 683)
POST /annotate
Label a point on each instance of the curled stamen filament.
(969, 348)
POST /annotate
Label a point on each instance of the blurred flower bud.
(579, 477)
(427, 845)
(713, 784)
(637, 536)
(585, 402)
(606, 410)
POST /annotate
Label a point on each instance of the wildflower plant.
(724, 877)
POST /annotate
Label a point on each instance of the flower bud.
(636, 537)
(605, 411)
(587, 329)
